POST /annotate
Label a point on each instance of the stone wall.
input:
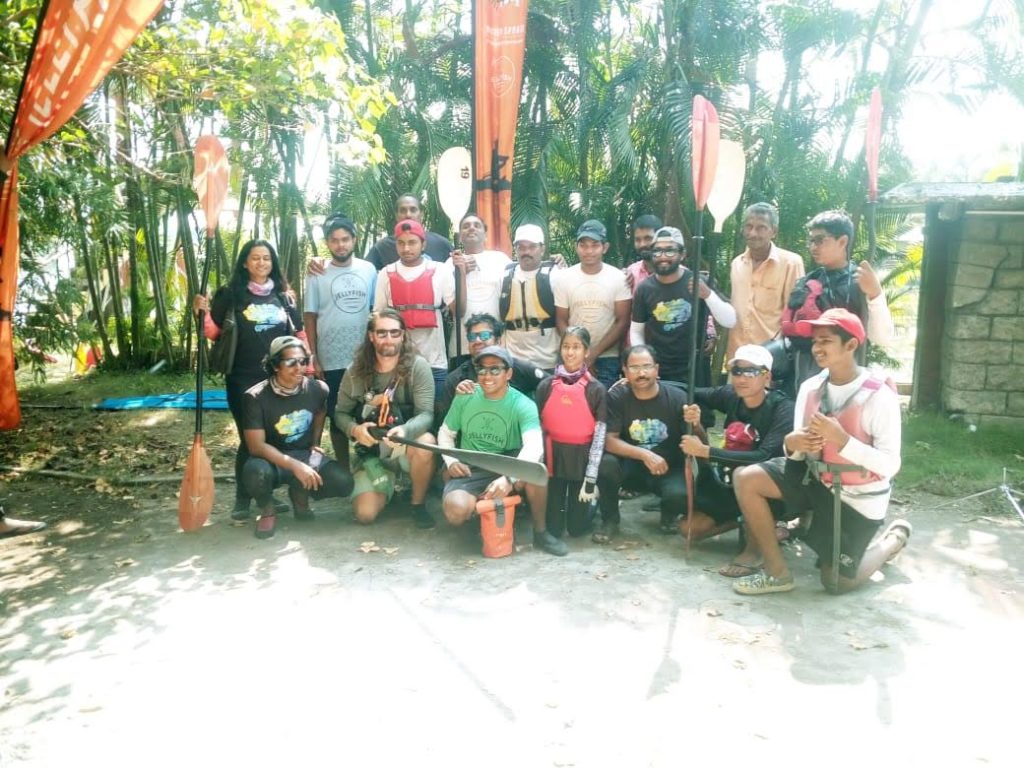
(983, 348)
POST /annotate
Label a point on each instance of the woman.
(572, 415)
(259, 299)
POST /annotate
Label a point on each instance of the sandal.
(605, 532)
(736, 570)
(265, 525)
(761, 583)
(901, 529)
(625, 495)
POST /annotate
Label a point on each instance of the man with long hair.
(388, 391)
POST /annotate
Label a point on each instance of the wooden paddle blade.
(705, 136)
(455, 183)
(211, 179)
(195, 500)
(873, 143)
(728, 186)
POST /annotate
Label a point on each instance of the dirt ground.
(124, 642)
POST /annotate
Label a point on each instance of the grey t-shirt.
(341, 299)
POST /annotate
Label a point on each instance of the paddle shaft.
(200, 322)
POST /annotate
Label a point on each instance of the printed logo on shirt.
(672, 314)
(488, 432)
(292, 426)
(264, 316)
(589, 304)
(648, 433)
(349, 293)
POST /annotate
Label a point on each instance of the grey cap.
(593, 229)
(492, 351)
(282, 343)
(673, 234)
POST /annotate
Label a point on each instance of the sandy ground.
(124, 642)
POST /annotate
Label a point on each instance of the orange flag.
(77, 42)
(499, 34)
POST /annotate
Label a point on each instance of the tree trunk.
(90, 276)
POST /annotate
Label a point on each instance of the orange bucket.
(497, 519)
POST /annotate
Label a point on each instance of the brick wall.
(983, 349)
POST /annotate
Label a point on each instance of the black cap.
(593, 229)
(339, 221)
(492, 351)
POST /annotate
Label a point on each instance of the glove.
(588, 491)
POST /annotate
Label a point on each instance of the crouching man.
(846, 420)
(283, 420)
(495, 419)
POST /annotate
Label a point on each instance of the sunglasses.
(819, 239)
(669, 251)
(491, 370)
(481, 335)
(383, 333)
(644, 368)
(749, 373)
(291, 362)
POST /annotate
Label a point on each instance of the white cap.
(529, 233)
(752, 353)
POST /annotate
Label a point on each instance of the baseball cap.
(492, 351)
(339, 221)
(671, 233)
(593, 229)
(529, 233)
(753, 353)
(282, 343)
(410, 225)
(838, 317)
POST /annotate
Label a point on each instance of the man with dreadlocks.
(390, 387)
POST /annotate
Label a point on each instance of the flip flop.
(736, 570)
(21, 528)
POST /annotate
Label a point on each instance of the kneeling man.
(494, 419)
(847, 421)
(283, 420)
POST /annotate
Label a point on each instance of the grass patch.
(61, 388)
(942, 456)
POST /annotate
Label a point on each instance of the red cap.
(840, 318)
(410, 225)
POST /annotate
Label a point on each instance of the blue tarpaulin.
(213, 400)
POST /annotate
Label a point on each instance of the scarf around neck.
(570, 378)
(261, 289)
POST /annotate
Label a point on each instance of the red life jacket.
(740, 436)
(566, 417)
(808, 310)
(849, 417)
(414, 299)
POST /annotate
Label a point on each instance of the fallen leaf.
(390, 550)
(600, 576)
(739, 664)
(631, 556)
(124, 562)
(67, 634)
(714, 612)
(470, 563)
(369, 546)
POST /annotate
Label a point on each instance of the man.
(834, 283)
(845, 417)
(757, 419)
(337, 304)
(642, 267)
(494, 419)
(762, 278)
(595, 295)
(283, 421)
(419, 289)
(479, 273)
(526, 304)
(385, 250)
(663, 308)
(645, 428)
(388, 387)
(483, 330)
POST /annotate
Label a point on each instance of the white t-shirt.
(538, 345)
(429, 341)
(483, 288)
(591, 299)
(341, 299)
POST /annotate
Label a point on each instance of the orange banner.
(499, 34)
(77, 42)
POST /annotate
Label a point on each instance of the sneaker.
(300, 506)
(551, 545)
(761, 583)
(605, 532)
(424, 520)
(241, 514)
(265, 525)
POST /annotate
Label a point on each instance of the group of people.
(585, 368)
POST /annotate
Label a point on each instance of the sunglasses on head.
(481, 335)
(491, 370)
(291, 362)
(748, 372)
(383, 333)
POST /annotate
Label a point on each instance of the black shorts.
(856, 531)
(716, 498)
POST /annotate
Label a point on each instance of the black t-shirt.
(286, 420)
(385, 250)
(259, 320)
(656, 424)
(666, 310)
(772, 421)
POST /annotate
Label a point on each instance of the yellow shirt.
(760, 295)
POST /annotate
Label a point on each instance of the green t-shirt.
(494, 426)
